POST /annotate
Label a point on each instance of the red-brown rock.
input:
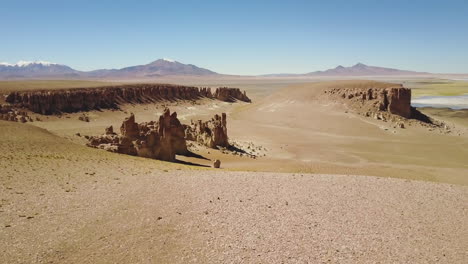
(230, 94)
(9, 113)
(211, 133)
(158, 140)
(395, 100)
(74, 100)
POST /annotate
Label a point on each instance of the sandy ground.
(65, 203)
(304, 133)
(302, 200)
(293, 131)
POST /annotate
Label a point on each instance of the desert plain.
(316, 180)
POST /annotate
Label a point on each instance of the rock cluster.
(161, 139)
(211, 133)
(75, 100)
(83, 117)
(8, 113)
(395, 100)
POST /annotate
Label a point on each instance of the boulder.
(217, 164)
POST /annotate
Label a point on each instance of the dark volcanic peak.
(360, 69)
(161, 67)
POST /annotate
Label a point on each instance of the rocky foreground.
(62, 202)
(91, 206)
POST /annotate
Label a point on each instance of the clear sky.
(239, 37)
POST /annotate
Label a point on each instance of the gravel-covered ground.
(123, 213)
(62, 202)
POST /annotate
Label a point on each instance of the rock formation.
(8, 113)
(395, 100)
(162, 139)
(109, 130)
(211, 133)
(75, 100)
(158, 140)
(230, 94)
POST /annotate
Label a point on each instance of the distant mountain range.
(167, 67)
(358, 69)
(158, 68)
(43, 69)
(35, 69)
(363, 70)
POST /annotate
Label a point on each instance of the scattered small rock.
(217, 164)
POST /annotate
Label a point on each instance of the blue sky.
(239, 37)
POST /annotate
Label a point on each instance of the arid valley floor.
(319, 182)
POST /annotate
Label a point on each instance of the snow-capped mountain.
(28, 63)
(165, 67)
(35, 69)
(44, 69)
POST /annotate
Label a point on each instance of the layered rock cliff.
(230, 94)
(395, 100)
(75, 100)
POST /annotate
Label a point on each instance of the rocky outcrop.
(399, 101)
(211, 133)
(160, 140)
(395, 100)
(109, 131)
(75, 100)
(8, 113)
(230, 94)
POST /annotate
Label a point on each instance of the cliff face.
(395, 100)
(230, 94)
(75, 100)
